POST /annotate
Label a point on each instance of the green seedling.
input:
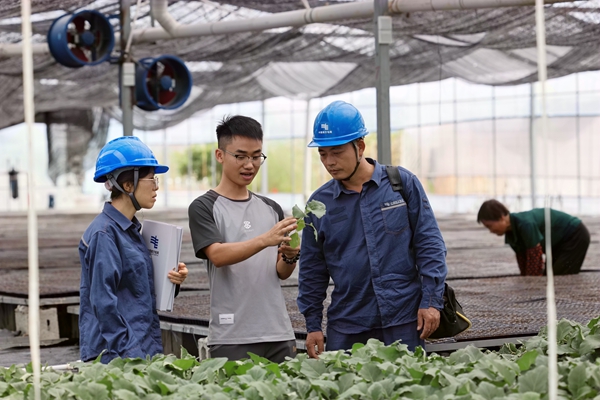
(313, 206)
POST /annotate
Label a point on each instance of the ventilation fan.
(83, 38)
(162, 83)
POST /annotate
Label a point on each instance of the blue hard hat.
(125, 152)
(338, 123)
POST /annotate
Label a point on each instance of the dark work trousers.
(406, 332)
(567, 257)
(273, 351)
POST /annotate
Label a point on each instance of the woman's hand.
(177, 277)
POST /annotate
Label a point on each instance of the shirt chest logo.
(393, 203)
(247, 225)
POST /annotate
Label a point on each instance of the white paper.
(164, 243)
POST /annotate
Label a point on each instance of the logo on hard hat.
(325, 129)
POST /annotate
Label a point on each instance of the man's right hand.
(278, 233)
(315, 339)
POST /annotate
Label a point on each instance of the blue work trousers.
(407, 333)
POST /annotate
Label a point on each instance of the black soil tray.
(497, 307)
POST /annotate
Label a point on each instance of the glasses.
(243, 160)
(155, 179)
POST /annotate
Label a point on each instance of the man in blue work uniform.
(384, 253)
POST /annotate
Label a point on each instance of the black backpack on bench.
(452, 318)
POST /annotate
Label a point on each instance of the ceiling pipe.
(160, 12)
(402, 6)
(323, 14)
(279, 20)
(16, 49)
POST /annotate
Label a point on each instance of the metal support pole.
(455, 139)
(166, 175)
(419, 133)
(8, 196)
(307, 183)
(32, 222)
(190, 159)
(383, 38)
(151, 16)
(264, 172)
(532, 145)
(578, 137)
(540, 25)
(494, 143)
(213, 165)
(48, 122)
(293, 152)
(125, 65)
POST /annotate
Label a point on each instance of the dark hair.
(238, 125)
(127, 176)
(491, 210)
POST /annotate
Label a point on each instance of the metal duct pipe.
(400, 6)
(280, 20)
(324, 14)
(160, 12)
(16, 49)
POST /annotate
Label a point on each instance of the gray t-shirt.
(246, 301)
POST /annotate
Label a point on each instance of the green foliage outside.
(372, 371)
(201, 156)
(285, 163)
(285, 170)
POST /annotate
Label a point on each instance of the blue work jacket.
(386, 260)
(117, 311)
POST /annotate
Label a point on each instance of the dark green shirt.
(528, 228)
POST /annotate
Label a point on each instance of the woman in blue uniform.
(117, 316)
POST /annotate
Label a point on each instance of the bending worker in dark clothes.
(525, 233)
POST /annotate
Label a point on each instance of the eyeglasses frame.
(155, 179)
(246, 158)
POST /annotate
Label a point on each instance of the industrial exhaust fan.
(83, 38)
(162, 82)
(87, 38)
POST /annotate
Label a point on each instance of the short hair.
(238, 125)
(491, 210)
(127, 176)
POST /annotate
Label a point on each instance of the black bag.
(452, 318)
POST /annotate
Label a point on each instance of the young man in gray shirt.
(243, 237)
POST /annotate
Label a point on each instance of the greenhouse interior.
(479, 99)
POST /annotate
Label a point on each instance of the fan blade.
(97, 37)
(158, 69)
(152, 82)
(166, 96)
(168, 70)
(79, 23)
(77, 52)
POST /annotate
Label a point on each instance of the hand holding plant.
(313, 206)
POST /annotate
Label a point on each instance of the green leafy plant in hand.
(313, 206)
